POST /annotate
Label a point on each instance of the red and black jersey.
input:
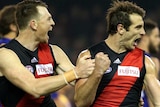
(41, 63)
(122, 83)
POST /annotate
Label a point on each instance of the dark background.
(81, 23)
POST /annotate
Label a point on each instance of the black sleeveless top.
(36, 62)
(121, 84)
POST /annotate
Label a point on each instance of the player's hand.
(85, 66)
(102, 63)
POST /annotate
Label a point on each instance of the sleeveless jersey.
(122, 83)
(39, 62)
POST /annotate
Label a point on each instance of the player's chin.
(131, 47)
(44, 41)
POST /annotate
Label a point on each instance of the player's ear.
(120, 29)
(13, 27)
(33, 24)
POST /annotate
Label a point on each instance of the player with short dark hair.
(150, 43)
(121, 84)
(8, 28)
(30, 68)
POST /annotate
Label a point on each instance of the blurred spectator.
(150, 43)
(8, 28)
(60, 99)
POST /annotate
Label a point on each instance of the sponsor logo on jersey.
(117, 61)
(43, 69)
(30, 68)
(34, 60)
(128, 71)
(108, 70)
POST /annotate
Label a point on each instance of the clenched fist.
(102, 63)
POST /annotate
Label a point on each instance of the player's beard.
(152, 48)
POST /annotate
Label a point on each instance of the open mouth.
(137, 41)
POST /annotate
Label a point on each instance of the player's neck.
(10, 35)
(28, 41)
(113, 42)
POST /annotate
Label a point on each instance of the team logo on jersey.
(128, 71)
(30, 68)
(117, 61)
(43, 69)
(108, 70)
(34, 60)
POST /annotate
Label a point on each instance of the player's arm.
(150, 103)
(16, 73)
(151, 83)
(64, 64)
(85, 89)
(157, 64)
(148, 98)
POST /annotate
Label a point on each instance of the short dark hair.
(7, 17)
(26, 10)
(119, 13)
(149, 25)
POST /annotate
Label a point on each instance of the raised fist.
(102, 62)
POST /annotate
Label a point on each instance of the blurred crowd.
(82, 23)
(78, 26)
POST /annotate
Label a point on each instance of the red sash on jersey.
(116, 91)
(45, 57)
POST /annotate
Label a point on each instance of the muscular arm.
(151, 83)
(85, 89)
(16, 73)
(150, 103)
(64, 64)
(156, 62)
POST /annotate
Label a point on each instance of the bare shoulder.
(84, 52)
(57, 50)
(6, 53)
(155, 60)
(55, 47)
(61, 58)
(150, 66)
(3, 51)
(7, 58)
